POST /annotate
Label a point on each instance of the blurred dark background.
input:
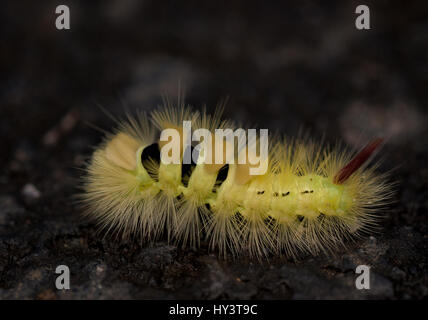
(285, 66)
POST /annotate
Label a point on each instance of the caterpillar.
(312, 198)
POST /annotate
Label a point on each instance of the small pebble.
(30, 192)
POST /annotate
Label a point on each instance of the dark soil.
(299, 65)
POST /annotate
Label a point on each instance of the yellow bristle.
(121, 151)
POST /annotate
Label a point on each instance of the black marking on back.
(150, 152)
(187, 169)
(222, 175)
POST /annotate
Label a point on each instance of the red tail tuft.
(357, 161)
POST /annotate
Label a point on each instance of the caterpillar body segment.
(311, 198)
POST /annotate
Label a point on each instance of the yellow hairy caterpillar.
(312, 197)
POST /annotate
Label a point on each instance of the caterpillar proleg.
(312, 197)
